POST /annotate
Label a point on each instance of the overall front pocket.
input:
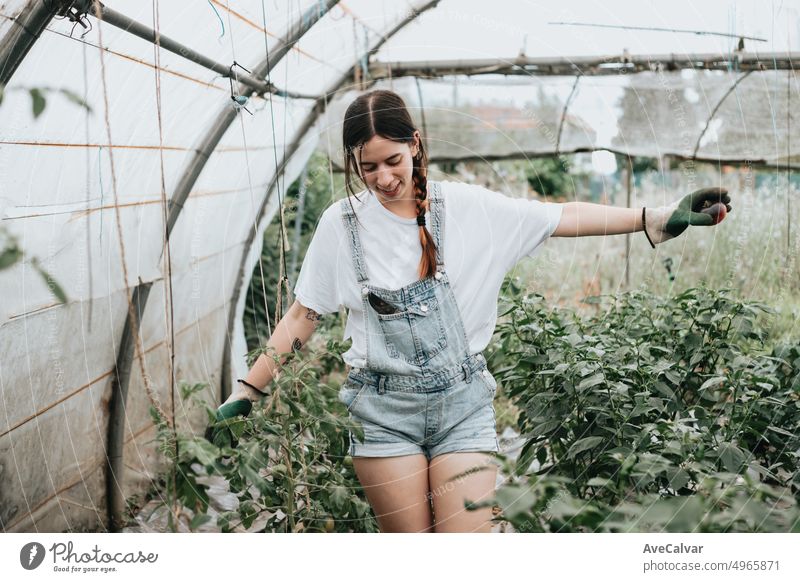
(416, 334)
(350, 393)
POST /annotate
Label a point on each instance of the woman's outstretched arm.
(704, 207)
(587, 219)
(291, 333)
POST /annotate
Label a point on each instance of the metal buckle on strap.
(381, 384)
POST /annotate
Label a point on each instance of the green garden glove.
(704, 207)
(222, 435)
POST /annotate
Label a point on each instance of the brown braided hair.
(384, 113)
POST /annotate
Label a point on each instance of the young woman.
(419, 265)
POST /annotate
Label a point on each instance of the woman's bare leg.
(397, 490)
(449, 496)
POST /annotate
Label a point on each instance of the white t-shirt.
(485, 234)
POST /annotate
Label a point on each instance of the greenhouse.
(165, 166)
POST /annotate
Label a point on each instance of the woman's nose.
(385, 177)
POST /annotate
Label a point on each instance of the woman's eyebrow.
(392, 157)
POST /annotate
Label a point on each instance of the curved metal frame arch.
(116, 441)
(24, 33)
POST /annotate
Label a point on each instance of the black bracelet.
(644, 228)
(249, 385)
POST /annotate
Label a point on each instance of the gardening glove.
(704, 207)
(240, 403)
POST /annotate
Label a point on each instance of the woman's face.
(386, 167)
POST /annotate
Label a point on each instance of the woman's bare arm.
(587, 219)
(291, 333)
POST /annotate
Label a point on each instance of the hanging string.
(100, 177)
(422, 113)
(132, 315)
(250, 182)
(356, 59)
(789, 75)
(169, 314)
(282, 274)
(365, 53)
(88, 186)
(221, 24)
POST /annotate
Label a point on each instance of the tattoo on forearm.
(297, 344)
(313, 315)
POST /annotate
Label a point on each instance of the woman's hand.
(666, 222)
(239, 403)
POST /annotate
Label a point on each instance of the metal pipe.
(22, 35)
(585, 65)
(131, 26)
(530, 155)
(118, 411)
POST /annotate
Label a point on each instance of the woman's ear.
(415, 145)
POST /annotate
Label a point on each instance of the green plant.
(291, 468)
(38, 100)
(653, 414)
(263, 291)
(11, 254)
(549, 176)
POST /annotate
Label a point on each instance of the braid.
(427, 264)
(384, 113)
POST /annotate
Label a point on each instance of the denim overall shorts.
(421, 391)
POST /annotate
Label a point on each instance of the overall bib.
(421, 391)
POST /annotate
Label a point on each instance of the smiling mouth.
(392, 192)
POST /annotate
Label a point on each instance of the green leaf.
(732, 457)
(38, 102)
(339, 496)
(712, 382)
(678, 478)
(693, 341)
(599, 482)
(674, 377)
(75, 98)
(199, 520)
(202, 450)
(593, 380)
(515, 501)
(546, 427)
(696, 358)
(665, 390)
(51, 283)
(9, 257)
(779, 430)
(585, 444)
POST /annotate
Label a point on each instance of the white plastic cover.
(82, 191)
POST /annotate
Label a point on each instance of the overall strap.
(437, 219)
(351, 226)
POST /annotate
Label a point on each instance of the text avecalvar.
(672, 549)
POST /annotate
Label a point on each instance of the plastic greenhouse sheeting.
(82, 195)
(89, 182)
